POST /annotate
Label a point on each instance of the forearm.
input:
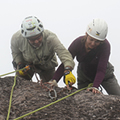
(63, 54)
(66, 58)
(59, 73)
(100, 74)
(17, 57)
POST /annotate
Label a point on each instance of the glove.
(69, 77)
(24, 71)
(20, 66)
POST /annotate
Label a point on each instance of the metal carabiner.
(69, 87)
(52, 94)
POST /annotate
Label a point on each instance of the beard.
(36, 46)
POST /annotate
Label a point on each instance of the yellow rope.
(11, 98)
(11, 72)
(11, 90)
(54, 102)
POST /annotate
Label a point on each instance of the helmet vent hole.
(31, 28)
(25, 33)
(28, 17)
(22, 31)
(38, 29)
(38, 21)
(40, 25)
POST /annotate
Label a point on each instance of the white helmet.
(31, 26)
(97, 29)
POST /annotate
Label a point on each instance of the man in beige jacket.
(34, 46)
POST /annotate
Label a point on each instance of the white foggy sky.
(67, 18)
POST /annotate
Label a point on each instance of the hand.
(53, 83)
(94, 90)
(24, 71)
(69, 78)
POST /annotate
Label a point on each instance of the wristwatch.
(68, 68)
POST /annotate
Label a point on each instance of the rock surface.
(29, 96)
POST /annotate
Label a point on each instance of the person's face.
(91, 43)
(35, 41)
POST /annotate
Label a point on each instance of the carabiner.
(52, 94)
(69, 87)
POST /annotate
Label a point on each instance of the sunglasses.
(35, 37)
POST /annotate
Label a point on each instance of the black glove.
(20, 66)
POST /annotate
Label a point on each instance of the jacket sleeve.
(102, 65)
(16, 53)
(60, 71)
(63, 54)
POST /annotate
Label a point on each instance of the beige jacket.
(44, 57)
